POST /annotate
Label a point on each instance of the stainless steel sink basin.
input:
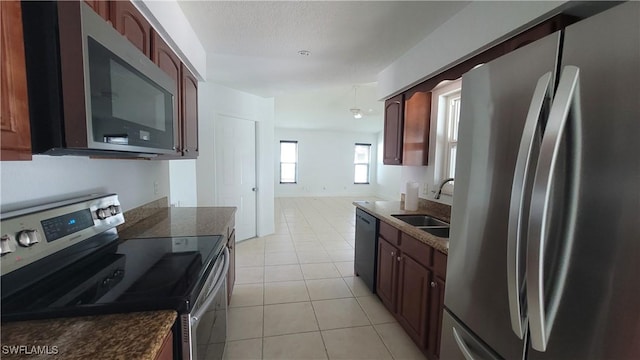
(440, 231)
(420, 220)
(426, 223)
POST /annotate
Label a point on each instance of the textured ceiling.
(253, 46)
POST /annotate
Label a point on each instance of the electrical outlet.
(425, 189)
(155, 188)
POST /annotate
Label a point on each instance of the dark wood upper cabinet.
(393, 130)
(417, 120)
(14, 110)
(189, 113)
(406, 129)
(128, 20)
(168, 61)
(101, 7)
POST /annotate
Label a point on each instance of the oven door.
(207, 323)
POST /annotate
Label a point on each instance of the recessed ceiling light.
(304, 52)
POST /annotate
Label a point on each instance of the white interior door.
(235, 149)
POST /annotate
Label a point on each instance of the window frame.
(368, 164)
(295, 163)
(440, 113)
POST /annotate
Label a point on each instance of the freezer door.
(458, 343)
(496, 99)
(587, 269)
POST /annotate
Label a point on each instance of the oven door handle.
(212, 295)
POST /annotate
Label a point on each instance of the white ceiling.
(253, 46)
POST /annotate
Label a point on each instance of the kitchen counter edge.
(116, 336)
(383, 211)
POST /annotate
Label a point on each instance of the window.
(288, 162)
(445, 117)
(453, 120)
(361, 163)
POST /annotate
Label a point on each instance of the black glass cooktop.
(134, 275)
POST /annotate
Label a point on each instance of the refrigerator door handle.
(519, 200)
(466, 351)
(543, 301)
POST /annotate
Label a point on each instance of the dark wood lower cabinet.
(410, 283)
(413, 298)
(166, 351)
(386, 277)
(435, 314)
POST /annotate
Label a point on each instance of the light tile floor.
(296, 296)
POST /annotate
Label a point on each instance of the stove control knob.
(115, 209)
(103, 213)
(28, 238)
(7, 244)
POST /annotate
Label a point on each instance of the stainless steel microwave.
(91, 92)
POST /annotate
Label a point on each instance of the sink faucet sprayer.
(441, 186)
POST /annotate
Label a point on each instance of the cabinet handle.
(393, 254)
(399, 258)
(186, 150)
(434, 284)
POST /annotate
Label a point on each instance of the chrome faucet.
(441, 186)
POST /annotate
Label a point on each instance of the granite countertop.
(117, 336)
(384, 209)
(180, 221)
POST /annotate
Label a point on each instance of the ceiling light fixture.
(357, 114)
(304, 52)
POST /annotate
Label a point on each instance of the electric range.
(66, 259)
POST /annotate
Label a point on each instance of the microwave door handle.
(221, 276)
(519, 188)
(564, 116)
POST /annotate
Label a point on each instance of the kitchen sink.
(440, 231)
(420, 220)
(426, 223)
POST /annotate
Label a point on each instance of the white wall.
(214, 100)
(49, 178)
(325, 163)
(184, 189)
(388, 176)
(475, 28)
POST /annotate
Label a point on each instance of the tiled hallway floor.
(296, 296)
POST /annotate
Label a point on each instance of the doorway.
(235, 170)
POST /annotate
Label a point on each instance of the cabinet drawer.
(389, 233)
(417, 250)
(440, 264)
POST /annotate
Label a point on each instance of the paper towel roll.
(411, 196)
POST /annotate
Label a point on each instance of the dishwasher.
(366, 252)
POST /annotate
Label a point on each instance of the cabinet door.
(413, 297)
(417, 113)
(393, 130)
(166, 351)
(14, 113)
(189, 113)
(436, 304)
(101, 7)
(128, 20)
(166, 59)
(387, 272)
(231, 275)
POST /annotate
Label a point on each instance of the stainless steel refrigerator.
(544, 254)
